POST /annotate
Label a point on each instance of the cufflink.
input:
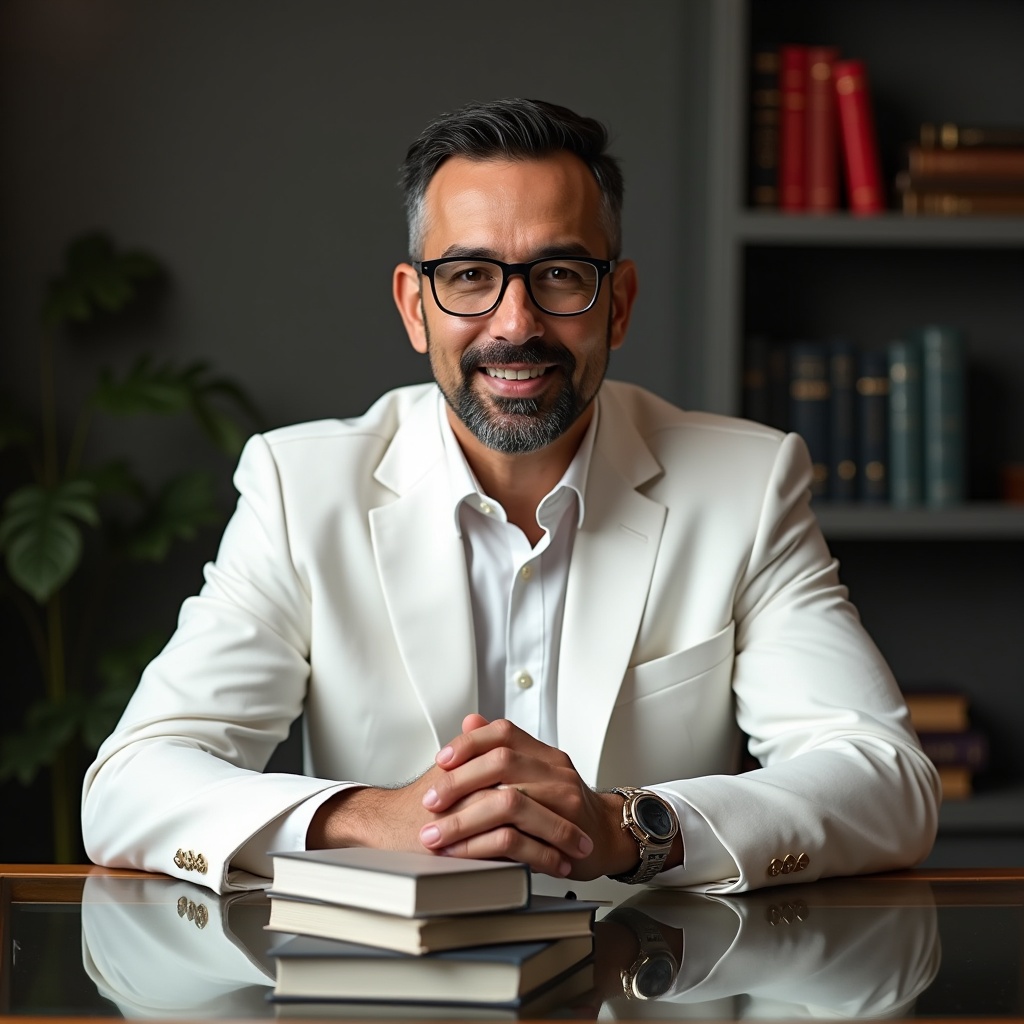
(189, 861)
(787, 864)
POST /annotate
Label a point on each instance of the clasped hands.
(493, 792)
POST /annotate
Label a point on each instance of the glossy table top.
(87, 942)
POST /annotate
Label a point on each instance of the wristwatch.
(653, 824)
(651, 974)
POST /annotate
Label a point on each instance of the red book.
(859, 141)
(822, 130)
(792, 127)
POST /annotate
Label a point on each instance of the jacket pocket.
(674, 718)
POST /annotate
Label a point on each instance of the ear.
(624, 288)
(405, 290)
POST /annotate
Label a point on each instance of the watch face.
(655, 978)
(653, 816)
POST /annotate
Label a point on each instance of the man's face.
(515, 211)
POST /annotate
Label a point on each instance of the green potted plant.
(70, 524)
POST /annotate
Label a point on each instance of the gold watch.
(653, 824)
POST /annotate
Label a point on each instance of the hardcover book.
(944, 427)
(982, 164)
(408, 884)
(950, 135)
(809, 406)
(822, 194)
(764, 128)
(314, 968)
(873, 426)
(937, 711)
(793, 128)
(967, 748)
(906, 440)
(543, 919)
(842, 432)
(863, 169)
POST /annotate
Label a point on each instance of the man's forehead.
(500, 202)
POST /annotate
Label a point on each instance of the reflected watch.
(653, 824)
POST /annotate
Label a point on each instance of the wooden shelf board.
(972, 521)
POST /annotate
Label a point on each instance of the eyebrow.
(470, 253)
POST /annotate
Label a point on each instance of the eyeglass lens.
(473, 286)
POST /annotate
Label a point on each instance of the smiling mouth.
(527, 373)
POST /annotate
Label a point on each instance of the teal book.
(842, 470)
(873, 426)
(809, 406)
(944, 424)
(906, 440)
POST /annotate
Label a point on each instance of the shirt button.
(485, 508)
(524, 680)
(526, 572)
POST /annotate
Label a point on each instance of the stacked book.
(812, 132)
(957, 749)
(881, 425)
(963, 170)
(379, 928)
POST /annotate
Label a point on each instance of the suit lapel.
(613, 560)
(422, 567)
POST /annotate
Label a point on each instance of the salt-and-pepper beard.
(515, 426)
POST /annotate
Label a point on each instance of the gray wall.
(253, 145)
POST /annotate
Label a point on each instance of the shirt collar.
(465, 487)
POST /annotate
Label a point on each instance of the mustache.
(531, 352)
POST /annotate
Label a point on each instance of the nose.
(516, 319)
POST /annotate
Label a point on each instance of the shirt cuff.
(286, 832)
(705, 859)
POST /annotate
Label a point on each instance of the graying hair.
(511, 129)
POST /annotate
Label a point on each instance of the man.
(545, 589)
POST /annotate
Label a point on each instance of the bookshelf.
(942, 592)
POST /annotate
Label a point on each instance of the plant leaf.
(96, 278)
(145, 388)
(185, 504)
(40, 535)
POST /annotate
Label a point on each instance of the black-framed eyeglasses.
(559, 285)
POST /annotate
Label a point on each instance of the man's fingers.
(489, 736)
(508, 806)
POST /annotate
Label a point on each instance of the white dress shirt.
(518, 597)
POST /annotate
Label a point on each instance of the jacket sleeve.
(178, 787)
(844, 786)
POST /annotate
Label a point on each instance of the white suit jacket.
(701, 601)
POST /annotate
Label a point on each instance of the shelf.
(992, 812)
(888, 229)
(979, 521)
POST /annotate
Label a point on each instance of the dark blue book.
(873, 426)
(809, 406)
(906, 440)
(324, 969)
(842, 434)
(943, 383)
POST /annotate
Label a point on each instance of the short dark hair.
(511, 129)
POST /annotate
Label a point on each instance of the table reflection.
(163, 948)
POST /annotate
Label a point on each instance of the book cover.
(906, 442)
(792, 127)
(981, 164)
(809, 406)
(394, 882)
(822, 143)
(968, 203)
(315, 968)
(967, 748)
(543, 919)
(951, 135)
(873, 426)
(842, 470)
(937, 711)
(859, 141)
(764, 128)
(957, 781)
(944, 426)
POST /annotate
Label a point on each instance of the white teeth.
(496, 371)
